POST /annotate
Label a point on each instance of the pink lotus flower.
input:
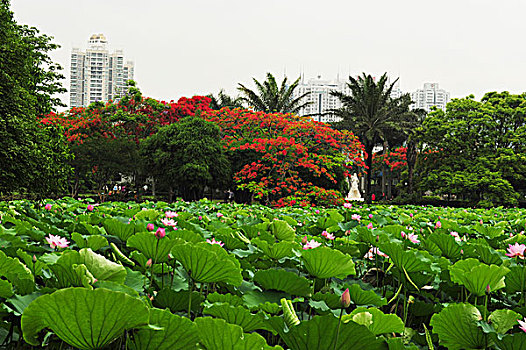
(171, 214)
(311, 245)
(168, 222)
(370, 254)
(438, 224)
(410, 236)
(370, 216)
(200, 217)
(456, 235)
(347, 205)
(213, 241)
(57, 241)
(370, 226)
(48, 206)
(90, 207)
(356, 217)
(328, 235)
(345, 299)
(150, 227)
(317, 211)
(522, 324)
(411, 214)
(516, 250)
(219, 215)
(160, 233)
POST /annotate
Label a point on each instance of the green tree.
(476, 150)
(223, 100)
(187, 156)
(372, 115)
(33, 156)
(271, 98)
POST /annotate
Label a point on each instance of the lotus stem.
(338, 331)
(190, 287)
(523, 298)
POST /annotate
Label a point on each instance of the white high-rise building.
(97, 74)
(430, 96)
(321, 100)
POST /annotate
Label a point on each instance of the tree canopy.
(271, 98)
(33, 156)
(372, 114)
(476, 150)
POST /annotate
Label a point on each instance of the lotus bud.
(34, 258)
(488, 289)
(150, 227)
(149, 262)
(346, 298)
(304, 240)
(160, 233)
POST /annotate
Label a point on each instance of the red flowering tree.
(104, 137)
(283, 159)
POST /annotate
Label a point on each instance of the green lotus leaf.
(228, 298)
(375, 320)
(217, 334)
(503, 320)
(148, 214)
(176, 333)
(117, 287)
(410, 260)
(238, 315)
(151, 246)
(94, 242)
(447, 245)
(482, 252)
(398, 344)
(118, 228)
(35, 266)
(231, 242)
(516, 279)
(104, 315)
(187, 236)
(319, 333)
(208, 263)
(324, 262)
(102, 268)
(252, 231)
(282, 230)
(365, 297)
(488, 231)
(177, 301)
(82, 268)
(333, 301)
(476, 276)
(20, 302)
(275, 251)
(516, 341)
(6, 289)
(456, 327)
(281, 280)
(17, 274)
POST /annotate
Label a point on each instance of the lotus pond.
(223, 276)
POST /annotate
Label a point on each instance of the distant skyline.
(196, 48)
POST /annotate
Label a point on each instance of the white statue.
(354, 192)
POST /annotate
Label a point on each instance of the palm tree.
(418, 117)
(372, 115)
(223, 100)
(270, 98)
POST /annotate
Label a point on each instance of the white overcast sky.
(186, 48)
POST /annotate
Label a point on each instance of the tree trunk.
(411, 161)
(369, 164)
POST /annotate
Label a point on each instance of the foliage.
(372, 115)
(262, 289)
(270, 98)
(476, 149)
(28, 82)
(284, 159)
